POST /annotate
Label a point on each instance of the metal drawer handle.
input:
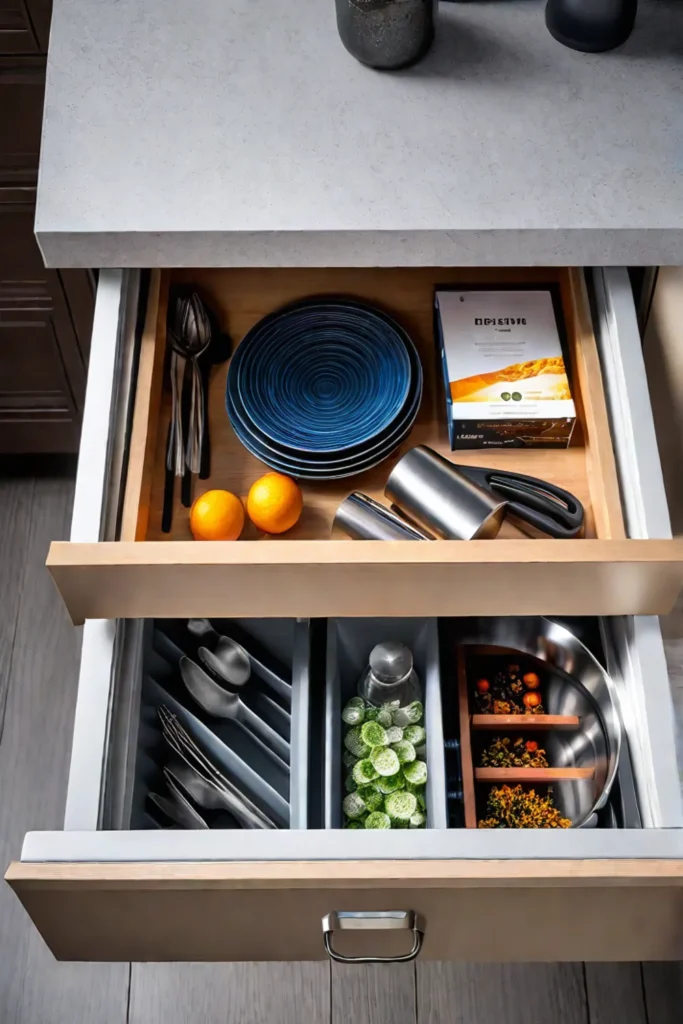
(373, 920)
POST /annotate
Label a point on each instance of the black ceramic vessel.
(386, 34)
(591, 25)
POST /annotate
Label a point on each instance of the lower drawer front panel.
(586, 910)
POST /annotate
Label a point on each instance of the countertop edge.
(497, 247)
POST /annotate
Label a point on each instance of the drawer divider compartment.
(349, 642)
(279, 790)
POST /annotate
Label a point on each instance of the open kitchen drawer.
(102, 890)
(127, 567)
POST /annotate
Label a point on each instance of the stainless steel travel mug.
(433, 493)
(363, 518)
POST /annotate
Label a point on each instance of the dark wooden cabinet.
(40, 13)
(16, 31)
(22, 92)
(42, 374)
(24, 26)
(45, 315)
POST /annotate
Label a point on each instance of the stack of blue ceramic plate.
(324, 389)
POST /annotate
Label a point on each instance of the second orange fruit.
(274, 503)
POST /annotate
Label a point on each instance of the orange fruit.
(217, 515)
(274, 503)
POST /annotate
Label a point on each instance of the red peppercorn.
(531, 746)
(483, 686)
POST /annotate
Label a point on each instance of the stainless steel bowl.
(578, 685)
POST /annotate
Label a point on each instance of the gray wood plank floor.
(34, 761)
(374, 994)
(286, 993)
(38, 671)
(513, 993)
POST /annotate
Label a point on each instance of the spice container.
(536, 709)
(510, 691)
(386, 34)
(515, 807)
(506, 752)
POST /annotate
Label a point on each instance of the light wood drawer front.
(141, 571)
(567, 910)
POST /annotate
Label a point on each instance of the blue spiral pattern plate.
(324, 389)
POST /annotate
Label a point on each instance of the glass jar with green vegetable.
(383, 758)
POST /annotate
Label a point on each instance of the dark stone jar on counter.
(386, 34)
(591, 26)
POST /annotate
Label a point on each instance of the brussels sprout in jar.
(384, 750)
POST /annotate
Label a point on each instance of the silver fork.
(184, 746)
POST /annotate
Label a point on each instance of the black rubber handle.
(185, 404)
(218, 352)
(546, 506)
(169, 483)
(205, 457)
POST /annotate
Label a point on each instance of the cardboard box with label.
(504, 371)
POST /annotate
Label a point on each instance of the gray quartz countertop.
(240, 132)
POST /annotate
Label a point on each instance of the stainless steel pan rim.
(554, 644)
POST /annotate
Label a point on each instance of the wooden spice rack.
(503, 775)
(470, 723)
(525, 722)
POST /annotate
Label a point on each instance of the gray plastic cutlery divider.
(349, 642)
(282, 793)
(326, 660)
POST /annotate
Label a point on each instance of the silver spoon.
(190, 812)
(223, 704)
(229, 660)
(178, 811)
(232, 671)
(212, 798)
(202, 630)
(275, 680)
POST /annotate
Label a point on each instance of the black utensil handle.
(548, 495)
(546, 506)
(186, 489)
(169, 481)
(185, 404)
(218, 352)
(542, 521)
(541, 504)
(205, 454)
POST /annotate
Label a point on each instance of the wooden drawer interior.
(242, 297)
(600, 573)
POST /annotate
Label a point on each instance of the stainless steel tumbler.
(363, 518)
(433, 493)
